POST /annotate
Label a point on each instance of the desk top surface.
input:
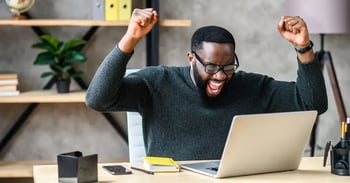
(310, 170)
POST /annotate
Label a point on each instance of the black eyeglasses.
(213, 68)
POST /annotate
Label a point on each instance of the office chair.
(135, 134)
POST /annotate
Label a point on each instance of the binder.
(98, 9)
(111, 9)
(124, 9)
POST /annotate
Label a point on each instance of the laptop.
(261, 143)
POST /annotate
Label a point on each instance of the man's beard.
(202, 86)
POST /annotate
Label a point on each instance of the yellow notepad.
(160, 164)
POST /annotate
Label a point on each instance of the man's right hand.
(141, 22)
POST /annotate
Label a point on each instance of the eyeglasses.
(213, 68)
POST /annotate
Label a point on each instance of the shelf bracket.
(152, 38)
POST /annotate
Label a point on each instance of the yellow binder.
(124, 9)
(111, 9)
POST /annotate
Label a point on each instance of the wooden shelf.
(20, 169)
(45, 96)
(65, 22)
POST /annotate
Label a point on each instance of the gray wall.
(57, 128)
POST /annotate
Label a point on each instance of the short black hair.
(212, 34)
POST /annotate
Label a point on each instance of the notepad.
(160, 164)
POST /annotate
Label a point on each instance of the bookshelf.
(66, 22)
(47, 95)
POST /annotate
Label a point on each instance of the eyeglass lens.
(213, 68)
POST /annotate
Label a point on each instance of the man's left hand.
(294, 29)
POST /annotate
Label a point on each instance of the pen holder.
(340, 157)
(73, 167)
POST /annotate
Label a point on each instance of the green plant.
(60, 56)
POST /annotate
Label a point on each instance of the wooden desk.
(20, 169)
(310, 170)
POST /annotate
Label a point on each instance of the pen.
(142, 170)
(342, 139)
(347, 134)
(342, 129)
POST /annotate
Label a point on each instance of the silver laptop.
(261, 143)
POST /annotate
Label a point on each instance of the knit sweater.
(178, 121)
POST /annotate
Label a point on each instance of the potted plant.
(60, 56)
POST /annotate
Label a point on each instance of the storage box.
(73, 167)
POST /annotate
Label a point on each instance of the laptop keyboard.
(213, 169)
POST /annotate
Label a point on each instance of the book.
(160, 164)
(9, 93)
(8, 75)
(8, 87)
(8, 82)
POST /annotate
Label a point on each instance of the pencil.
(347, 134)
(342, 129)
(142, 170)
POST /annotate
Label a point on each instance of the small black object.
(73, 167)
(117, 169)
(303, 50)
(326, 150)
(340, 157)
(142, 170)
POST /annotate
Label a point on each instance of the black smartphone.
(117, 169)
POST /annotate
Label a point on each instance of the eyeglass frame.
(219, 67)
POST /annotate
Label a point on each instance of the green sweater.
(178, 122)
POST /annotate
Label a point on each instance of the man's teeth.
(215, 85)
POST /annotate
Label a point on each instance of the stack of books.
(160, 164)
(8, 83)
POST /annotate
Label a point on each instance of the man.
(187, 111)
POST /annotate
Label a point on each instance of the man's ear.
(190, 57)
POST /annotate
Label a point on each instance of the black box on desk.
(73, 167)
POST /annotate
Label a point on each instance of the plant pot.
(63, 85)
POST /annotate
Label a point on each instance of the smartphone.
(117, 169)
